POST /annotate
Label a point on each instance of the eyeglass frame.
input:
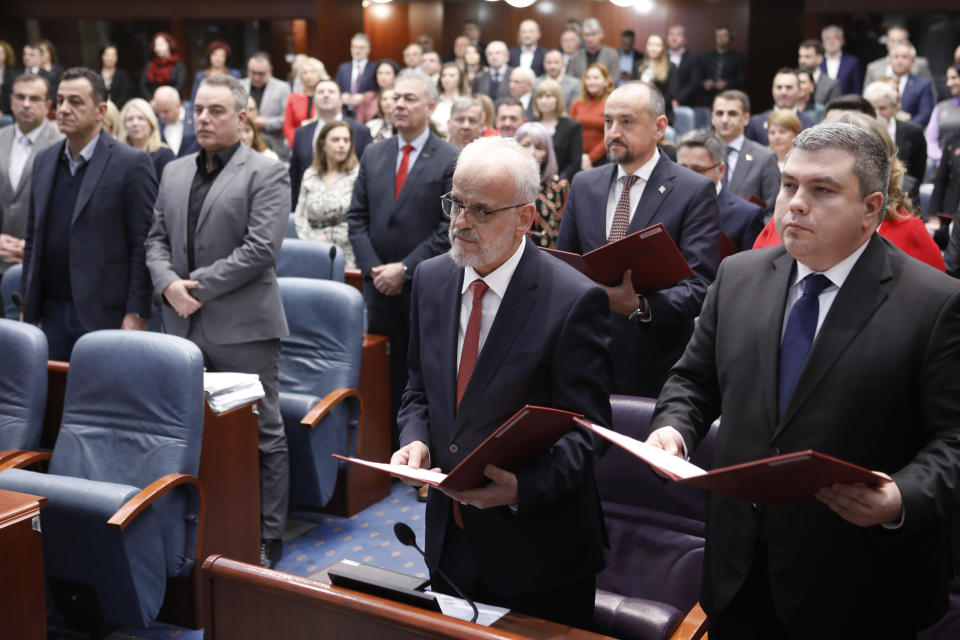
(487, 213)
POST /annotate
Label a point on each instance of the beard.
(620, 154)
(487, 252)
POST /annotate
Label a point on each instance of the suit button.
(774, 451)
(454, 448)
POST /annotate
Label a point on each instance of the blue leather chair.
(9, 285)
(291, 227)
(319, 373)
(23, 386)
(124, 511)
(656, 530)
(310, 259)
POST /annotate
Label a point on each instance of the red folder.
(727, 248)
(791, 477)
(529, 432)
(656, 261)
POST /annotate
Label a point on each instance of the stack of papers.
(226, 390)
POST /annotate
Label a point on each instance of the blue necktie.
(798, 337)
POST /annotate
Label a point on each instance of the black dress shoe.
(270, 553)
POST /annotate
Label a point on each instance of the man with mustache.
(526, 329)
(639, 188)
(90, 209)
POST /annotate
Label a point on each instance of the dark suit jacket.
(686, 204)
(849, 75)
(894, 408)
(368, 79)
(301, 155)
(688, 78)
(481, 84)
(756, 174)
(917, 99)
(6, 89)
(549, 345)
(537, 64)
(742, 221)
(757, 127)
(730, 66)
(912, 151)
(568, 147)
(121, 89)
(946, 198)
(108, 272)
(188, 143)
(160, 158)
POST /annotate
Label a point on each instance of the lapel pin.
(661, 189)
(749, 157)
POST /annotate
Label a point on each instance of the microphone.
(408, 538)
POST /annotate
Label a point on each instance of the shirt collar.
(498, 279)
(645, 170)
(417, 143)
(737, 143)
(220, 159)
(86, 153)
(32, 136)
(837, 274)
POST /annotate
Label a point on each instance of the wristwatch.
(406, 273)
(642, 312)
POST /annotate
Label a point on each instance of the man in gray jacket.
(271, 95)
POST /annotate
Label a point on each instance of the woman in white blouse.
(451, 85)
(327, 188)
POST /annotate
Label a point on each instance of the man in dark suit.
(175, 120)
(529, 55)
(527, 329)
(751, 169)
(90, 210)
(356, 76)
(604, 204)
(392, 230)
(686, 63)
(630, 58)
(810, 56)
(840, 66)
(19, 145)
(495, 81)
(721, 68)
(911, 145)
(701, 151)
(916, 92)
(838, 342)
(786, 95)
(218, 223)
(327, 106)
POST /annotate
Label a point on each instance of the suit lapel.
(5, 149)
(655, 192)
(227, 174)
(773, 287)
(43, 185)
(101, 157)
(413, 176)
(744, 165)
(858, 299)
(519, 299)
(448, 333)
(41, 143)
(597, 196)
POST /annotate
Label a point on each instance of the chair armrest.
(322, 408)
(14, 459)
(693, 626)
(59, 366)
(135, 505)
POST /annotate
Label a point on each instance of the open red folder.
(655, 259)
(529, 432)
(787, 478)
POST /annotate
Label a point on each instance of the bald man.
(176, 121)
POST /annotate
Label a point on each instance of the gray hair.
(463, 103)
(497, 44)
(830, 28)
(706, 139)
(360, 35)
(908, 45)
(879, 89)
(429, 89)
(592, 25)
(505, 152)
(871, 164)
(526, 72)
(228, 81)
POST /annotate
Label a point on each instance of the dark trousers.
(62, 326)
(570, 603)
(390, 316)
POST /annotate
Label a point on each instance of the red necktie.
(402, 171)
(621, 217)
(471, 339)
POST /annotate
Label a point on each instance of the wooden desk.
(22, 600)
(249, 602)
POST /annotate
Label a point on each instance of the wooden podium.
(22, 600)
(250, 603)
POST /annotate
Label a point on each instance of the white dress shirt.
(643, 173)
(498, 280)
(418, 143)
(173, 133)
(526, 56)
(833, 65)
(20, 151)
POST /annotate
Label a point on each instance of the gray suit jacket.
(756, 174)
(238, 236)
(569, 85)
(272, 107)
(878, 69)
(15, 201)
(827, 89)
(608, 57)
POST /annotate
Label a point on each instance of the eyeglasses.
(474, 215)
(701, 170)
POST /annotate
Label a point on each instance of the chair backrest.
(291, 227)
(325, 345)
(9, 285)
(656, 527)
(23, 384)
(133, 408)
(310, 259)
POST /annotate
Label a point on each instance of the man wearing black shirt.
(722, 68)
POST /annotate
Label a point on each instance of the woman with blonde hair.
(140, 130)
(111, 121)
(657, 70)
(250, 137)
(567, 134)
(327, 188)
(596, 85)
(783, 126)
(300, 104)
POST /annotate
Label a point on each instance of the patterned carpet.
(314, 541)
